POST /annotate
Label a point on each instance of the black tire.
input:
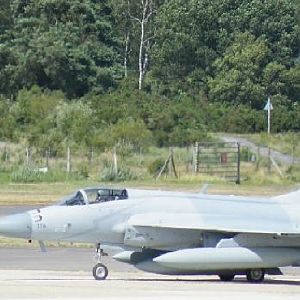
(226, 277)
(100, 272)
(255, 275)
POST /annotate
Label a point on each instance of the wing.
(214, 223)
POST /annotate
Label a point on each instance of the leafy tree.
(136, 24)
(66, 124)
(274, 21)
(202, 65)
(246, 75)
(31, 112)
(111, 107)
(192, 34)
(240, 119)
(75, 122)
(285, 118)
(34, 105)
(181, 50)
(61, 45)
(7, 122)
(238, 72)
(291, 78)
(5, 16)
(129, 132)
(273, 78)
(126, 30)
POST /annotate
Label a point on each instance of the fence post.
(91, 155)
(68, 160)
(170, 161)
(258, 158)
(196, 157)
(6, 156)
(269, 162)
(293, 149)
(115, 160)
(47, 157)
(27, 157)
(238, 180)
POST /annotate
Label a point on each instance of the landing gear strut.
(226, 277)
(100, 271)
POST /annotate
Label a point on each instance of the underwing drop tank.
(238, 258)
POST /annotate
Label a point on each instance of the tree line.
(162, 71)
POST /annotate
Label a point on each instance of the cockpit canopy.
(93, 196)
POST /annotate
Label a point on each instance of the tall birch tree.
(142, 13)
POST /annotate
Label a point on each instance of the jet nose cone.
(18, 226)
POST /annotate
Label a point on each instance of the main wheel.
(100, 272)
(255, 275)
(226, 277)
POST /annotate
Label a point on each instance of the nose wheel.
(100, 271)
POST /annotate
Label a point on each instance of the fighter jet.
(172, 232)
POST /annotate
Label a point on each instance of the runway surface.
(15, 209)
(66, 274)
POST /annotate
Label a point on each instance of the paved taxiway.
(65, 274)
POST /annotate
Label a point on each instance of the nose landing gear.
(100, 271)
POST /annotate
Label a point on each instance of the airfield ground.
(65, 274)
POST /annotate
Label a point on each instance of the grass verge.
(21, 243)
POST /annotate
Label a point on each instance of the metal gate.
(218, 159)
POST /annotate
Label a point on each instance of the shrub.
(108, 174)
(245, 154)
(83, 171)
(293, 173)
(129, 133)
(28, 175)
(155, 166)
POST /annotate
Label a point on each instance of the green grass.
(41, 193)
(47, 188)
(288, 143)
(21, 243)
(44, 193)
(4, 177)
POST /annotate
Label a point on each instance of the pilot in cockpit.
(99, 197)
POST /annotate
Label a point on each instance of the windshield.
(73, 199)
(94, 195)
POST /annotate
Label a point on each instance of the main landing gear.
(253, 275)
(100, 271)
(226, 277)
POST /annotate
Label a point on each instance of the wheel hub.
(256, 274)
(100, 272)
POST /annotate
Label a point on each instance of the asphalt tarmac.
(15, 209)
(66, 274)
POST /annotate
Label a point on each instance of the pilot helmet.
(100, 193)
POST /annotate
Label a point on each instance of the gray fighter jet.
(173, 232)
